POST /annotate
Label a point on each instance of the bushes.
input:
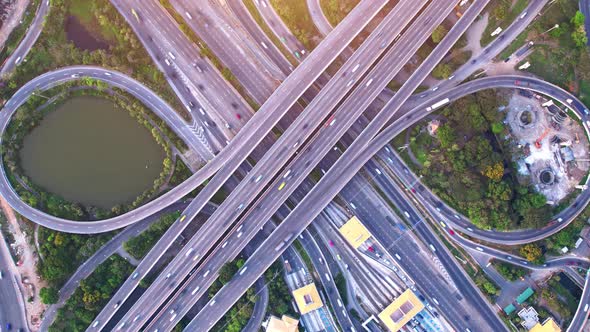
(92, 294)
(510, 272)
(139, 246)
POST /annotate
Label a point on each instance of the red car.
(371, 249)
(517, 82)
(238, 116)
(331, 243)
(452, 232)
(413, 190)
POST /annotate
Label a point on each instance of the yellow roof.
(285, 324)
(307, 298)
(401, 310)
(355, 232)
(548, 326)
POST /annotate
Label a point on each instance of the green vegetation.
(237, 317)
(445, 69)
(502, 14)
(139, 246)
(568, 236)
(19, 32)
(558, 299)
(125, 53)
(465, 165)
(251, 6)
(62, 253)
(532, 253)
(560, 55)
(336, 10)
(181, 173)
(297, 18)
(92, 294)
(510, 272)
(340, 282)
(30, 114)
(438, 34)
(279, 301)
(49, 295)
(487, 286)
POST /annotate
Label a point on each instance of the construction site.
(550, 147)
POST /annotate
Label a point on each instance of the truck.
(438, 104)
(284, 242)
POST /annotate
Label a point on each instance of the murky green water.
(91, 152)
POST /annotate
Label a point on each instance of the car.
(240, 206)
(559, 219)
(168, 275)
(517, 82)
(191, 104)
(95, 323)
(8, 326)
(338, 256)
(75, 75)
(371, 249)
(238, 116)
(134, 276)
(182, 218)
(331, 243)
(17, 60)
(413, 190)
(258, 179)
(1, 275)
(435, 88)
(451, 232)
(116, 304)
(227, 125)
(282, 186)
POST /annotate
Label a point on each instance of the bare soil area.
(31, 283)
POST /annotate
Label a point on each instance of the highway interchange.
(342, 173)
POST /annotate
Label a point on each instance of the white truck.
(438, 104)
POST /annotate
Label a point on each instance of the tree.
(49, 295)
(439, 33)
(578, 19)
(227, 272)
(494, 172)
(531, 252)
(442, 71)
(579, 37)
(446, 135)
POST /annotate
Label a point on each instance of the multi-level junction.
(315, 158)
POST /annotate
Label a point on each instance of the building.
(548, 325)
(307, 299)
(529, 317)
(285, 324)
(401, 310)
(355, 232)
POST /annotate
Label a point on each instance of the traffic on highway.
(298, 142)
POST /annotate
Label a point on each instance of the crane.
(538, 141)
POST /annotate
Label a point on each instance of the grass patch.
(139, 246)
(297, 18)
(336, 10)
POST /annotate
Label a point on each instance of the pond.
(81, 37)
(90, 151)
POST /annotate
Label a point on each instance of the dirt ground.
(31, 282)
(14, 16)
(557, 144)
